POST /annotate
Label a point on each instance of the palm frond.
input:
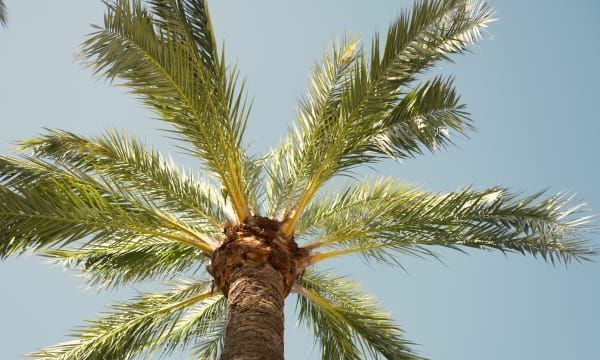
(151, 321)
(189, 22)
(295, 156)
(2, 13)
(210, 344)
(114, 263)
(379, 219)
(359, 110)
(373, 196)
(43, 204)
(167, 55)
(201, 332)
(433, 30)
(127, 162)
(347, 323)
(424, 118)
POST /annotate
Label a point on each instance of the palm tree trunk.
(255, 313)
(255, 267)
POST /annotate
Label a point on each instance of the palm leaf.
(125, 161)
(210, 345)
(291, 159)
(378, 219)
(423, 118)
(43, 204)
(114, 263)
(432, 31)
(2, 13)
(146, 324)
(369, 112)
(347, 323)
(202, 331)
(166, 54)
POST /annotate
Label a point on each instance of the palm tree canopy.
(120, 212)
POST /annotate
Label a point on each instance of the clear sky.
(532, 89)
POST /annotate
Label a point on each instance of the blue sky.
(531, 87)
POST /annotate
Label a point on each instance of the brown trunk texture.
(254, 314)
(255, 268)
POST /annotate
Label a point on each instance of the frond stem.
(330, 239)
(318, 257)
(208, 242)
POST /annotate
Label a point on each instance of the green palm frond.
(43, 204)
(114, 263)
(127, 162)
(424, 118)
(291, 159)
(202, 331)
(189, 21)
(2, 13)
(378, 219)
(209, 344)
(166, 53)
(359, 110)
(372, 196)
(347, 323)
(168, 320)
(432, 31)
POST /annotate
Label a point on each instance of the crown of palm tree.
(119, 212)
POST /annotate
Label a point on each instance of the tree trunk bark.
(255, 313)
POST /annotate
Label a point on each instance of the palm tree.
(121, 213)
